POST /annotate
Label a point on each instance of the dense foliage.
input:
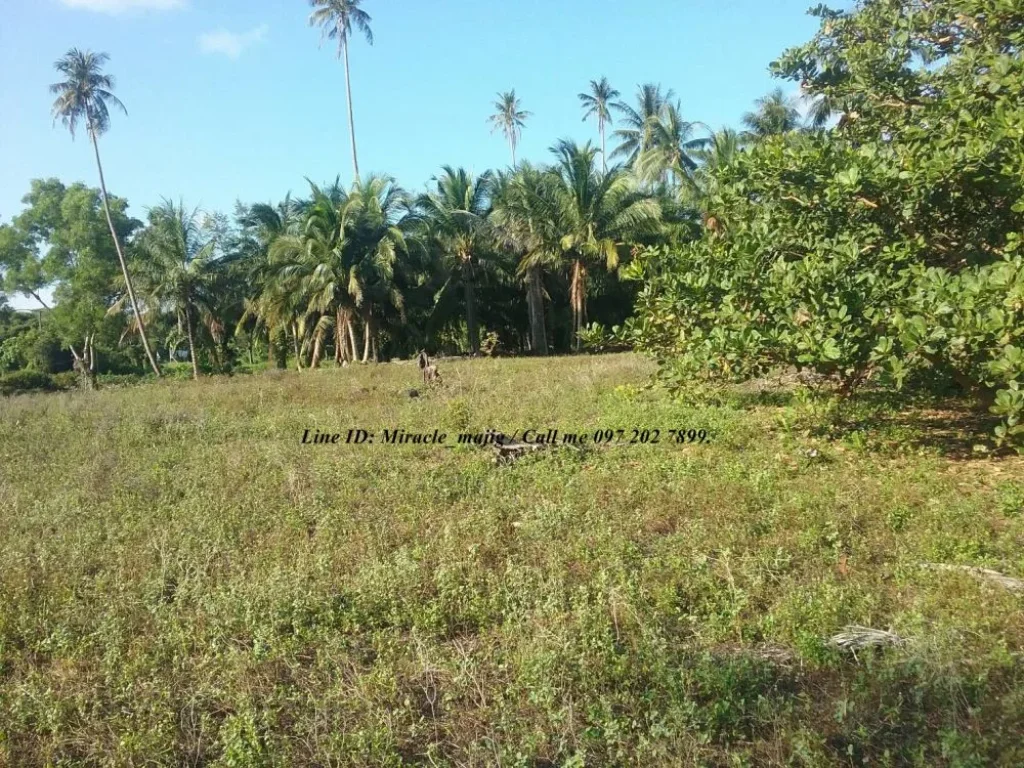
(885, 250)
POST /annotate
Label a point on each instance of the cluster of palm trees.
(334, 271)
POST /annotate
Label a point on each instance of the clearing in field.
(184, 582)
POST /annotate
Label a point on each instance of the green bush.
(885, 250)
(26, 381)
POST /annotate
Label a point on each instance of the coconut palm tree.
(597, 103)
(337, 19)
(635, 136)
(599, 215)
(775, 114)
(697, 190)
(85, 95)
(509, 117)
(313, 264)
(455, 214)
(670, 154)
(377, 230)
(527, 221)
(178, 272)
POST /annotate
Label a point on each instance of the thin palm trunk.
(352, 338)
(512, 146)
(120, 254)
(604, 152)
(191, 344)
(351, 118)
(535, 300)
(295, 343)
(578, 300)
(472, 328)
(340, 342)
(367, 331)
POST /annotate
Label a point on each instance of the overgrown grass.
(183, 583)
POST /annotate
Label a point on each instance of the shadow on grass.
(882, 421)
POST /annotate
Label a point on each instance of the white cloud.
(120, 6)
(231, 44)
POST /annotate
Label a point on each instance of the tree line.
(522, 259)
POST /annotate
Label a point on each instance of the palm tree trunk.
(512, 147)
(351, 119)
(535, 302)
(472, 328)
(578, 299)
(340, 342)
(318, 349)
(191, 344)
(604, 152)
(367, 331)
(352, 338)
(295, 343)
(120, 254)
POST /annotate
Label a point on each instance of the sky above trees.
(234, 100)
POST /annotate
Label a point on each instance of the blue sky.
(233, 99)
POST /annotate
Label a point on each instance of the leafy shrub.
(887, 249)
(26, 381)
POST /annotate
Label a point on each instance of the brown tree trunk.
(298, 349)
(191, 344)
(120, 254)
(472, 328)
(340, 343)
(535, 302)
(578, 300)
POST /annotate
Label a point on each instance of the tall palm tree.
(178, 272)
(260, 225)
(775, 114)
(597, 103)
(380, 247)
(670, 154)
(85, 96)
(509, 117)
(313, 288)
(455, 214)
(528, 221)
(697, 190)
(635, 136)
(337, 19)
(599, 215)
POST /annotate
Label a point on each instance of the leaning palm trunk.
(191, 344)
(535, 302)
(578, 300)
(351, 119)
(120, 253)
(318, 350)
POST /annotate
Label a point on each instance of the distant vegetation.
(874, 242)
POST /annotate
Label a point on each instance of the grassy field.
(183, 582)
